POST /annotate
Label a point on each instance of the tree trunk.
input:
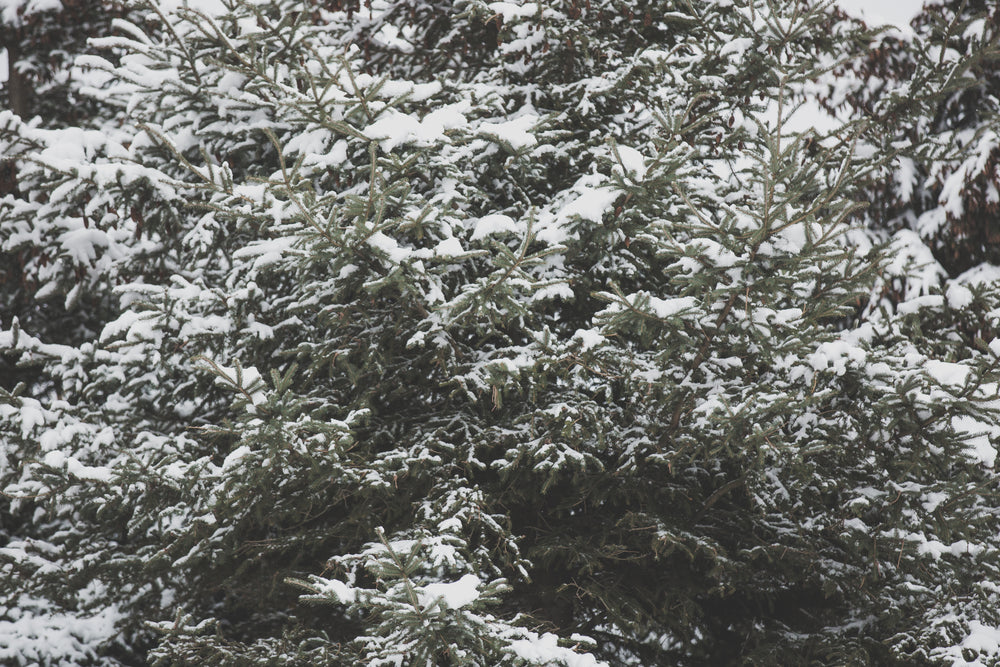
(18, 93)
(18, 90)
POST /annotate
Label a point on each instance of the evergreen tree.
(39, 43)
(487, 333)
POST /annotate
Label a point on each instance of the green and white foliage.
(486, 333)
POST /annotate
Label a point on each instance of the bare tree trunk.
(18, 90)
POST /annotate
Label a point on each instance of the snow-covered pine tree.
(931, 89)
(38, 44)
(44, 286)
(488, 333)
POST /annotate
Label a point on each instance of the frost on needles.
(497, 333)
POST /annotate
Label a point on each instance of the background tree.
(942, 122)
(41, 41)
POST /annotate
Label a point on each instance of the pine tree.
(489, 333)
(42, 88)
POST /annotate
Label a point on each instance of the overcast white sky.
(876, 12)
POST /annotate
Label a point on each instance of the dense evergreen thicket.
(451, 332)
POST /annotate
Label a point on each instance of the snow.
(588, 338)
(338, 590)
(545, 649)
(977, 438)
(556, 290)
(265, 252)
(982, 639)
(836, 355)
(246, 379)
(12, 11)
(947, 373)
(31, 416)
(959, 296)
(92, 473)
(935, 549)
(493, 224)
(414, 92)
(394, 128)
(715, 253)
(454, 595)
(39, 634)
(57, 459)
(911, 258)
(737, 46)
(515, 133)
(510, 10)
(213, 311)
(983, 274)
(81, 243)
(932, 500)
(235, 456)
(916, 303)
(664, 308)
(633, 162)
(390, 36)
(449, 248)
(591, 204)
(389, 246)
(975, 30)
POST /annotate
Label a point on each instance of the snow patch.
(493, 224)
(449, 248)
(664, 308)
(545, 649)
(454, 595)
(947, 373)
(632, 161)
(514, 133)
(959, 296)
(977, 438)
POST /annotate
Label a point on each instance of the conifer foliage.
(487, 333)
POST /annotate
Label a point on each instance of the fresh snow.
(12, 11)
(959, 296)
(981, 640)
(37, 633)
(495, 223)
(460, 191)
(545, 648)
(515, 133)
(588, 338)
(947, 373)
(590, 204)
(633, 162)
(454, 595)
(57, 459)
(979, 438)
(395, 128)
(449, 248)
(664, 308)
